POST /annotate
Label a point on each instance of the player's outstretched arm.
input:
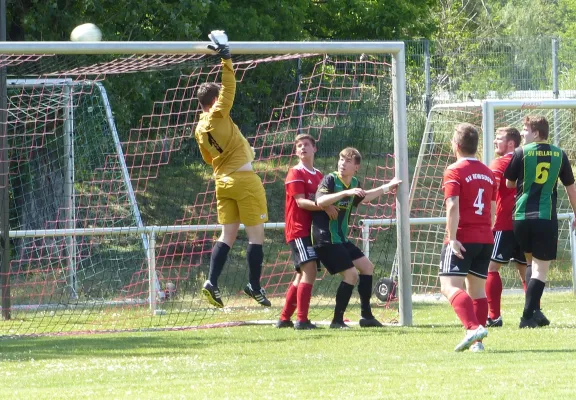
(379, 191)
(328, 199)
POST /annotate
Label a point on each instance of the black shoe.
(212, 294)
(528, 323)
(370, 323)
(259, 296)
(304, 325)
(284, 324)
(494, 323)
(540, 318)
(338, 325)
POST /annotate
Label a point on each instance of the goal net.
(104, 147)
(435, 155)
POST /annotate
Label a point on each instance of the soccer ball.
(86, 33)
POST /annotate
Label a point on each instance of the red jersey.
(475, 186)
(299, 180)
(505, 197)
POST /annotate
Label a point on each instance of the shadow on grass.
(131, 344)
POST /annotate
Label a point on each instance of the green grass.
(260, 361)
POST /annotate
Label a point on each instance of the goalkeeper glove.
(220, 44)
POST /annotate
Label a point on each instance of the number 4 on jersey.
(478, 202)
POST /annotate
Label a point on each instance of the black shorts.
(538, 236)
(303, 252)
(338, 257)
(506, 248)
(475, 262)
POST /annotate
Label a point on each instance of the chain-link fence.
(448, 71)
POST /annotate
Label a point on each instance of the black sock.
(217, 261)
(528, 277)
(254, 256)
(533, 296)
(365, 292)
(528, 274)
(343, 295)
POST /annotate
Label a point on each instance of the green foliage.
(371, 19)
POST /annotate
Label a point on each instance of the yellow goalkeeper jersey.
(221, 143)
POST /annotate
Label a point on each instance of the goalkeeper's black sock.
(217, 261)
(365, 292)
(343, 295)
(255, 257)
(533, 296)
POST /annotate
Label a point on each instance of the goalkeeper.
(240, 195)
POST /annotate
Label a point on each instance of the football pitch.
(263, 362)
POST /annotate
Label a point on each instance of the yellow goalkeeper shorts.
(240, 197)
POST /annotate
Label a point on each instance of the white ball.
(86, 33)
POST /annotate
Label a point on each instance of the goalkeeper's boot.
(494, 323)
(304, 325)
(472, 336)
(477, 347)
(370, 323)
(284, 324)
(212, 294)
(258, 295)
(540, 318)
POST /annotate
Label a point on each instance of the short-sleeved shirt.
(324, 230)
(536, 168)
(475, 186)
(505, 197)
(299, 180)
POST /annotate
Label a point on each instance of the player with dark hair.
(470, 194)
(301, 184)
(240, 194)
(506, 248)
(534, 171)
(330, 237)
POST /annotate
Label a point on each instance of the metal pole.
(488, 129)
(402, 192)
(555, 89)
(572, 233)
(299, 105)
(69, 200)
(4, 178)
(366, 240)
(428, 100)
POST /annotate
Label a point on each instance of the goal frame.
(395, 49)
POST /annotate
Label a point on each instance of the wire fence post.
(428, 94)
(555, 89)
(4, 178)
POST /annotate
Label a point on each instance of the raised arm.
(379, 191)
(228, 90)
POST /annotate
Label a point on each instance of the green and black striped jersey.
(327, 231)
(536, 168)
